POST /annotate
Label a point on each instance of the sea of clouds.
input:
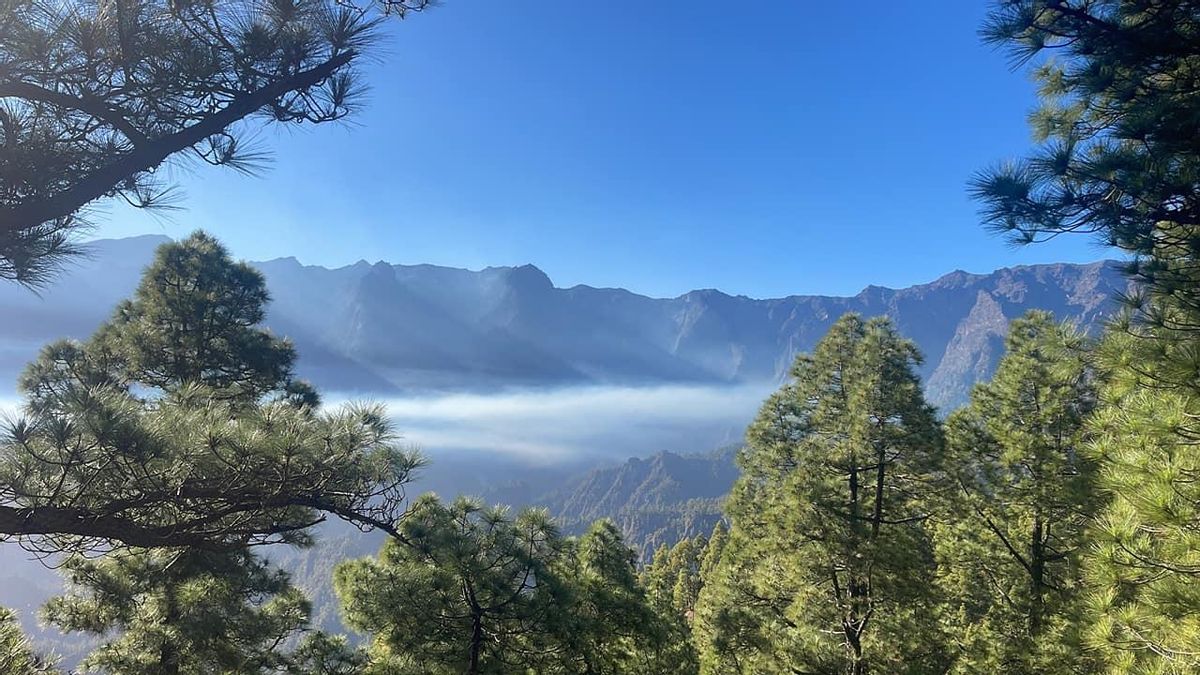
(551, 425)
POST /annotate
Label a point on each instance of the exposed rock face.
(656, 500)
(976, 347)
(382, 328)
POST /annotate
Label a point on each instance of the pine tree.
(672, 579)
(828, 563)
(324, 654)
(714, 547)
(1119, 154)
(181, 612)
(614, 628)
(1010, 541)
(17, 656)
(728, 629)
(99, 95)
(195, 320)
(180, 423)
(468, 589)
(465, 589)
(1143, 570)
(1119, 159)
(709, 637)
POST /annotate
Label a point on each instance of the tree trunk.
(1037, 572)
(858, 664)
(168, 653)
(476, 629)
(476, 644)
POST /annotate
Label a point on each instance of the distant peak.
(961, 276)
(874, 289)
(378, 273)
(290, 261)
(135, 238)
(529, 277)
(142, 240)
(703, 294)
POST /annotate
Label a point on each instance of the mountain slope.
(657, 500)
(382, 328)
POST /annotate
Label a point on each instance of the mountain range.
(386, 329)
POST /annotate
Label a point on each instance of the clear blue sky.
(763, 148)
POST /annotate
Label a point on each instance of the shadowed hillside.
(656, 500)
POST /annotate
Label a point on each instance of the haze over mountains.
(395, 330)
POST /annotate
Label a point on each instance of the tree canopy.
(1119, 155)
(1119, 158)
(181, 612)
(476, 590)
(179, 423)
(1012, 535)
(17, 655)
(473, 593)
(1142, 571)
(98, 95)
(828, 559)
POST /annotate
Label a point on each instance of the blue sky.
(762, 148)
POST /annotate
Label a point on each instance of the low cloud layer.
(578, 424)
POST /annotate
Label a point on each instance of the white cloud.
(570, 424)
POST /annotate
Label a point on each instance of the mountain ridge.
(655, 500)
(387, 329)
(149, 241)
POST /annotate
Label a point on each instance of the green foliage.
(194, 320)
(672, 579)
(99, 95)
(179, 423)
(828, 562)
(324, 654)
(17, 657)
(474, 590)
(1144, 569)
(465, 589)
(1120, 158)
(181, 612)
(613, 626)
(714, 548)
(1119, 154)
(1015, 523)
